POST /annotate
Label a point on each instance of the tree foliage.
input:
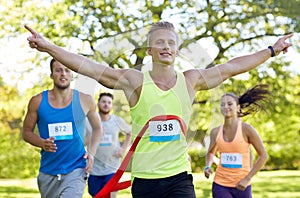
(16, 157)
(114, 32)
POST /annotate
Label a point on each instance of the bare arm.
(211, 152)
(200, 79)
(127, 141)
(87, 132)
(97, 132)
(255, 140)
(127, 80)
(126, 130)
(30, 123)
(89, 106)
(125, 145)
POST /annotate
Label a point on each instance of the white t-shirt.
(105, 163)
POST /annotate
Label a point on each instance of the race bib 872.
(61, 131)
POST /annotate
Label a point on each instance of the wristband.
(206, 168)
(272, 51)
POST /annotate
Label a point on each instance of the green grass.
(267, 184)
(276, 184)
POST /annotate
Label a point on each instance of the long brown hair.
(252, 100)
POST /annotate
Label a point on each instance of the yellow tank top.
(157, 156)
(234, 158)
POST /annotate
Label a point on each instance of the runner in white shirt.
(110, 152)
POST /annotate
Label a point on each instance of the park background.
(114, 33)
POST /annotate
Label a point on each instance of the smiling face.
(163, 46)
(61, 75)
(229, 106)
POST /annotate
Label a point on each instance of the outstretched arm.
(209, 78)
(112, 78)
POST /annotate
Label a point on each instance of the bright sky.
(14, 52)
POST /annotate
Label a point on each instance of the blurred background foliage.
(114, 32)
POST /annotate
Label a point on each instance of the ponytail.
(252, 100)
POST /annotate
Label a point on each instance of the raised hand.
(36, 41)
(281, 45)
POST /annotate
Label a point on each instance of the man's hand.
(281, 45)
(119, 153)
(49, 145)
(36, 41)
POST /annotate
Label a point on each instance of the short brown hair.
(51, 64)
(105, 94)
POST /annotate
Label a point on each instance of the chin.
(63, 87)
(167, 63)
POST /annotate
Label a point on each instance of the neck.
(230, 122)
(164, 78)
(60, 98)
(104, 116)
(162, 69)
(61, 93)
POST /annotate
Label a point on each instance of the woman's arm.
(255, 140)
(210, 156)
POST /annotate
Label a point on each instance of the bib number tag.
(231, 160)
(106, 140)
(61, 131)
(164, 131)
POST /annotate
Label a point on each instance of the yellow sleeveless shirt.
(156, 156)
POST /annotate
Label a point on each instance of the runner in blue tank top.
(60, 115)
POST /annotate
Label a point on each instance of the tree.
(227, 23)
(15, 155)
